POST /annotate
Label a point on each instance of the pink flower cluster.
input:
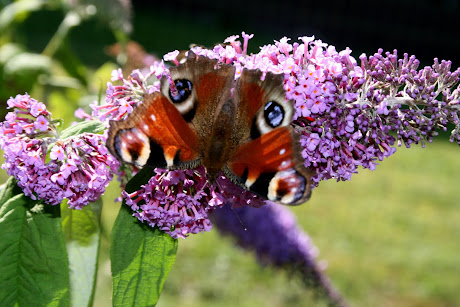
(348, 114)
(47, 167)
(173, 200)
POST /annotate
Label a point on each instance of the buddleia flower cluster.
(173, 200)
(48, 167)
(348, 114)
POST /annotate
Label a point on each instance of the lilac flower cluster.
(345, 111)
(173, 200)
(348, 114)
(429, 94)
(47, 167)
(273, 234)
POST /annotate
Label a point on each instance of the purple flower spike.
(272, 233)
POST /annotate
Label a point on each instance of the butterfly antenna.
(239, 219)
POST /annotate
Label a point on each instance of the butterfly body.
(241, 129)
(218, 147)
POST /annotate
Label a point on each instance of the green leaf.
(33, 259)
(91, 126)
(82, 232)
(26, 64)
(8, 51)
(9, 189)
(141, 178)
(23, 70)
(18, 9)
(141, 256)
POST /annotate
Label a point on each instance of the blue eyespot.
(183, 90)
(273, 113)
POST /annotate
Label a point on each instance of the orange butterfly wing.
(267, 160)
(271, 166)
(154, 134)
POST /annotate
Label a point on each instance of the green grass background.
(390, 237)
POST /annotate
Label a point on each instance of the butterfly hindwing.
(271, 166)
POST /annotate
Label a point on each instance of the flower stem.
(72, 19)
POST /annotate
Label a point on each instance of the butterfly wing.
(270, 166)
(171, 128)
(154, 134)
(267, 158)
(261, 104)
(206, 84)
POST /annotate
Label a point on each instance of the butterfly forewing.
(262, 105)
(211, 84)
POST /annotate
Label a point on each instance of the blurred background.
(388, 237)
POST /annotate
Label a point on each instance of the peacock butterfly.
(240, 128)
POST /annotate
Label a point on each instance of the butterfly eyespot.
(183, 90)
(288, 187)
(132, 146)
(273, 114)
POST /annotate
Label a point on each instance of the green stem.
(72, 19)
